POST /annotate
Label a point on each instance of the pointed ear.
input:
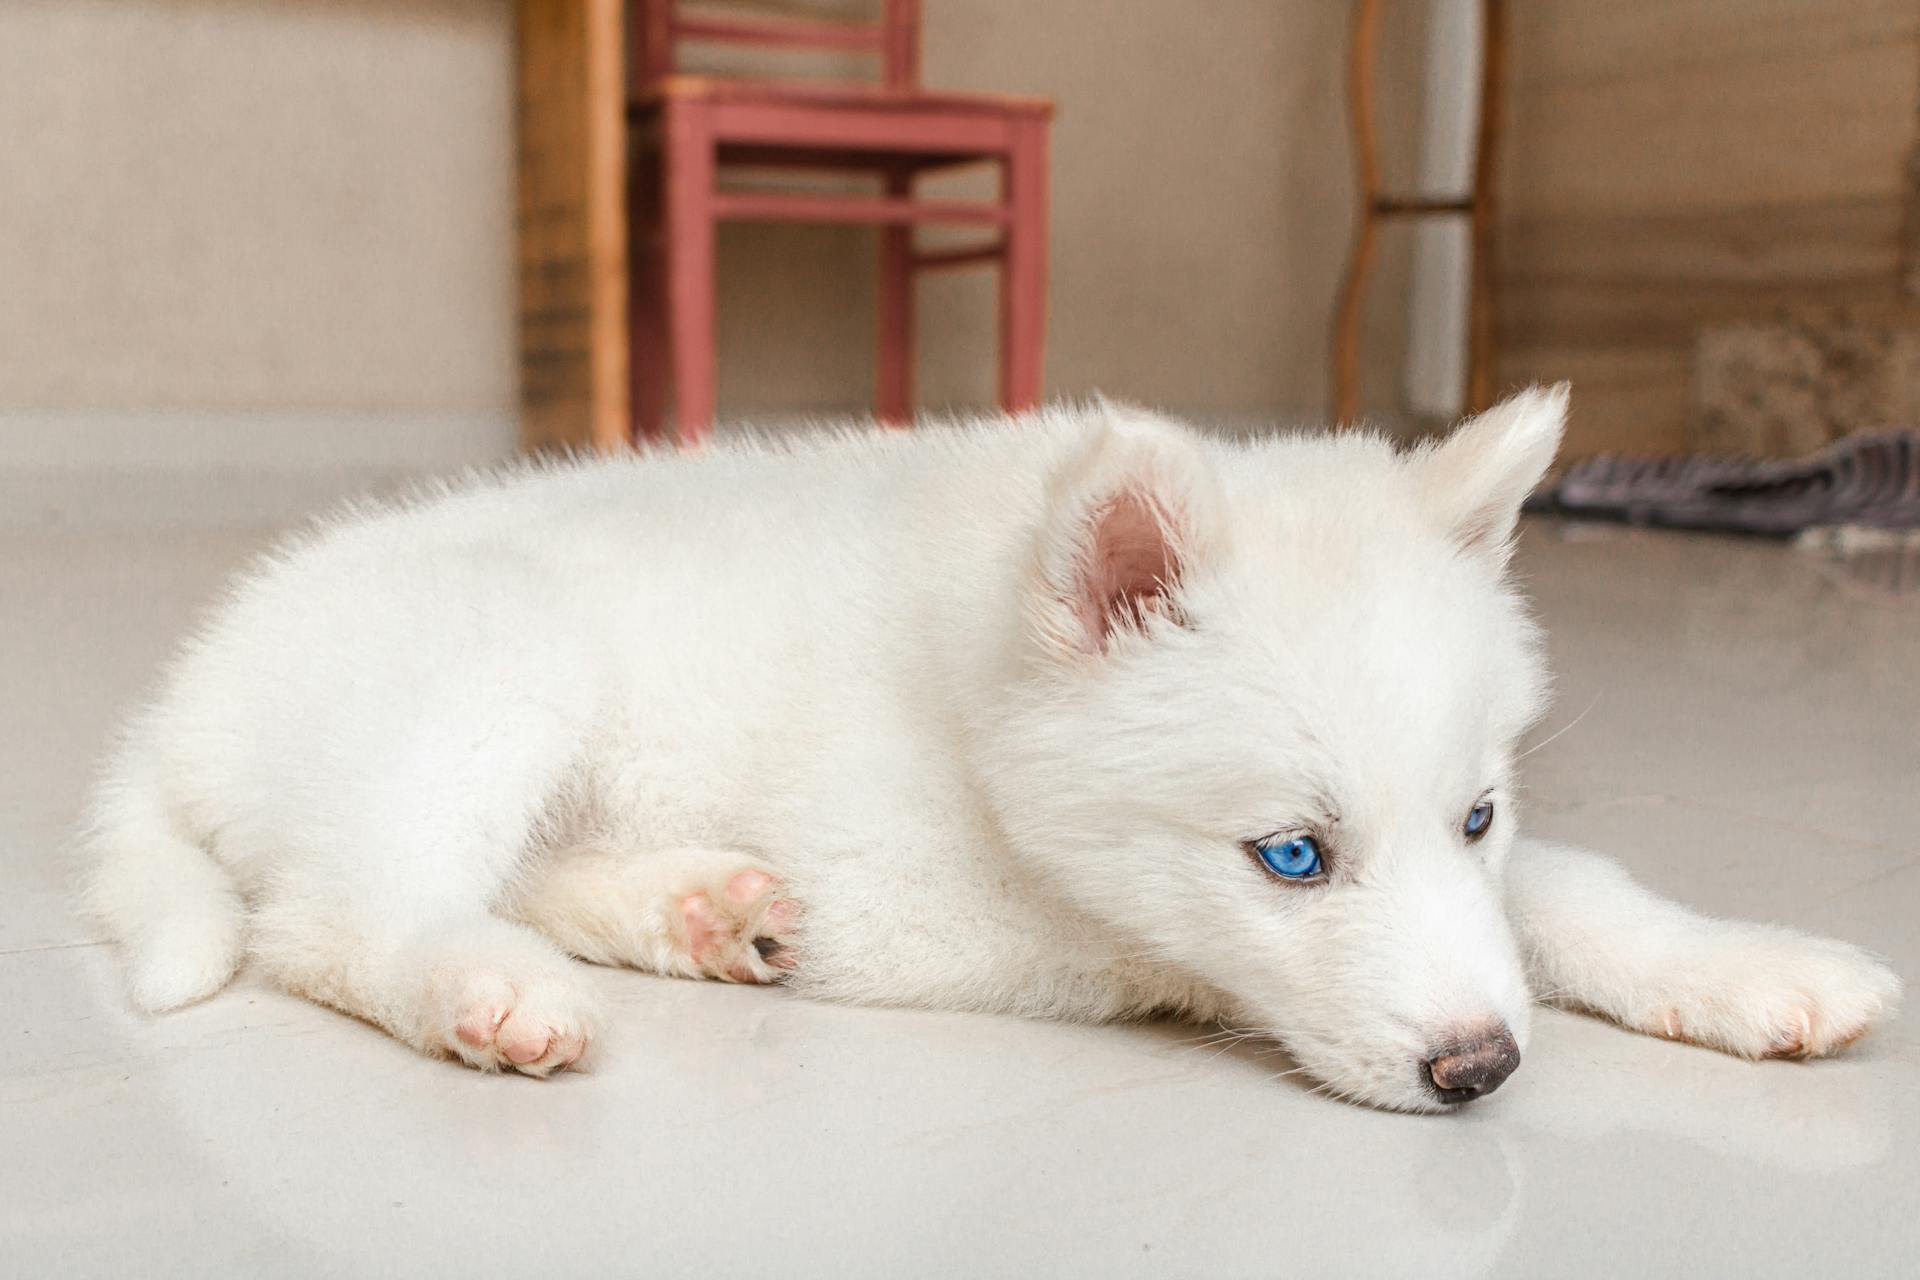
(1476, 479)
(1129, 517)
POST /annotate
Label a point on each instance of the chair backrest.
(658, 26)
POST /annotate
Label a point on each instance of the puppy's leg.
(692, 913)
(383, 907)
(493, 994)
(1596, 940)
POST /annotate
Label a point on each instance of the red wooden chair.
(689, 126)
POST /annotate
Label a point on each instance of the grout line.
(1906, 864)
(1723, 806)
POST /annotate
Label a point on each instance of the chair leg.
(688, 200)
(1346, 324)
(646, 299)
(894, 368)
(1023, 274)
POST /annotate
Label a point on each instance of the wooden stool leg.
(1353, 289)
(894, 369)
(1023, 275)
(647, 299)
(688, 198)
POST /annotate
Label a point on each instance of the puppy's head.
(1265, 724)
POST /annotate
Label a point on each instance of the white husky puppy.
(1080, 716)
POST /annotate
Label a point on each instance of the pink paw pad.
(741, 932)
(480, 1024)
(748, 885)
(526, 1046)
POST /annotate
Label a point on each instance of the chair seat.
(803, 124)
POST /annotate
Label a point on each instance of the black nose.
(1472, 1066)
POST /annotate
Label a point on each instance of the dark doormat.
(1871, 479)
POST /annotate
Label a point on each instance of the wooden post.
(572, 216)
(1482, 333)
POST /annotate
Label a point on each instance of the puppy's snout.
(1472, 1066)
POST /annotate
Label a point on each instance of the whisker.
(1226, 1037)
(1196, 1047)
(1222, 1031)
(1576, 720)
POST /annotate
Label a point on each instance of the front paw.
(1764, 992)
(495, 1021)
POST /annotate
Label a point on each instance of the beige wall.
(217, 204)
(307, 204)
(1675, 165)
(1203, 194)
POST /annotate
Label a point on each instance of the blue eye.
(1290, 858)
(1479, 818)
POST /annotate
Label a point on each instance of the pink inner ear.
(1130, 570)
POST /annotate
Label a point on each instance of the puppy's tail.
(174, 910)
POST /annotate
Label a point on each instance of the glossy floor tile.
(1735, 720)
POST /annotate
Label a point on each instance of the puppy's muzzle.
(1472, 1066)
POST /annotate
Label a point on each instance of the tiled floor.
(1740, 726)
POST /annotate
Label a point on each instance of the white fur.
(998, 705)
